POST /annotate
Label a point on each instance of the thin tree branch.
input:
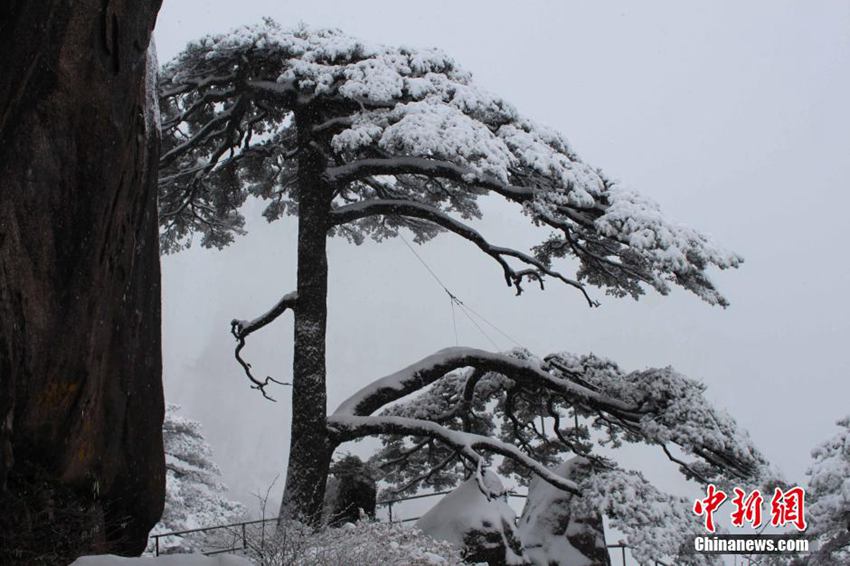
(406, 454)
(241, 329)
(683, 464)
(377, 207)
(427, 475)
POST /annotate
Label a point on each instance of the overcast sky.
(734, 116)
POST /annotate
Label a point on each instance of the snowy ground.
(173, 560)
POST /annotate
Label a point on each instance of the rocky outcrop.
(81, 460)
(555, 534)
(476, 517)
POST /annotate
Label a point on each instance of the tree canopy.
(405, 139)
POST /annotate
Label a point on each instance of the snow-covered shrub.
(195, 497)
(354, 544)
(829, 497)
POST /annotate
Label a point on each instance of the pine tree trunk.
(310, 449)
(81, 462)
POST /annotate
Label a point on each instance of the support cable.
(466, 310)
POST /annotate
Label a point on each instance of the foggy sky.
(734, 116)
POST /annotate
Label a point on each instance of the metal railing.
(239, 532)
(388, 503)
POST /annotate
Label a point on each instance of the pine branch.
(348, 427)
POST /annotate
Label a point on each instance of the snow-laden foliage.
(364, 542)
(402, 137)
(539, 415)
(195, 497)
(674, 410)
(828, 497)
(657, 525)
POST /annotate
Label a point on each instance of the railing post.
(623, 548)
(390, 507)
(156, 540)
(244, 540)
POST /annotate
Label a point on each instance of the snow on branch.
(453, 389)
(428, 370)
(673, 410)
(241, 329)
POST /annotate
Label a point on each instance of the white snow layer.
(153, 119)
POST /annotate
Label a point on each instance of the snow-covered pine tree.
(195, 496)
(828, 497)
(357, 140)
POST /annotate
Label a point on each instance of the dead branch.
(241, 329)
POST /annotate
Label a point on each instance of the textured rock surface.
(81, 462)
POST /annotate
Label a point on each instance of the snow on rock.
(553, 533)
(483, 527)
(173, 560)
